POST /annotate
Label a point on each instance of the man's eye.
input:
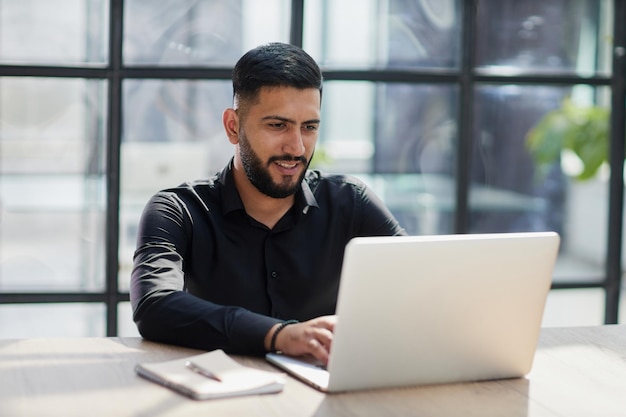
(311, 127)
(277, 125)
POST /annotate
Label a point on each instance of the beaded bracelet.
(278, 330)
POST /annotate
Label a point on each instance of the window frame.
(114, 73)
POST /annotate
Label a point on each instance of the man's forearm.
(183, 319)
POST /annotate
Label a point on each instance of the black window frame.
(466, 78)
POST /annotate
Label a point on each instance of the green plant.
(582, 129)
(320, 158)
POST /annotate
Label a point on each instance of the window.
(443, 106)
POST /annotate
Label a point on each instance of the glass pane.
(125, 324)
(539, 164)
(399, 138)
(346, 140)
(52, 184)
(173, 133)
(544, 36)
(18, 321)
(577, 307)
(200, 32)
(59, 32)
(383, 33)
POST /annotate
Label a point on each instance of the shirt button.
(274, 274)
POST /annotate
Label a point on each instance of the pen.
(202, 371)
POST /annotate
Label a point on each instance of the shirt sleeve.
(163, 310)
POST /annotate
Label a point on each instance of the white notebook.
(416, 310)
(211, 375)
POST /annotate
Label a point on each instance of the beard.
(259, 175)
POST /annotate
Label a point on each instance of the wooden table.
(577, 372)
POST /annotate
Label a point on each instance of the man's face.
(277, 137)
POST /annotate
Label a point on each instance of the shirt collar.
(305, 198)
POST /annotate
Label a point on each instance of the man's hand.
(313, 337)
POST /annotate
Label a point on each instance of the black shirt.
(207, 275)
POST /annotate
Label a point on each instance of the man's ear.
(230, 119)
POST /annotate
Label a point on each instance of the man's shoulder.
(315, 177)
(193, 186)
(204, 190)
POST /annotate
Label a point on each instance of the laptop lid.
(416, 310)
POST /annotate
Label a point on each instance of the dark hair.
(274, 65)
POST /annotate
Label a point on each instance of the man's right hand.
(313, 337)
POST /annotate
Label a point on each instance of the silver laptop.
(417, 310)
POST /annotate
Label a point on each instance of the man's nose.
(294, 144)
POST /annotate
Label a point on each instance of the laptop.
(421, 310)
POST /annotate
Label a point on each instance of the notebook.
(211, 375)
(415, 310)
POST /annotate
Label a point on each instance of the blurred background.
(467, 116)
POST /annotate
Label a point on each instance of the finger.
(324, 337)
(318, 351)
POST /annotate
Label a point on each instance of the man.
(249, 260)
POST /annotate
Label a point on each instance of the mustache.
(289, 158)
